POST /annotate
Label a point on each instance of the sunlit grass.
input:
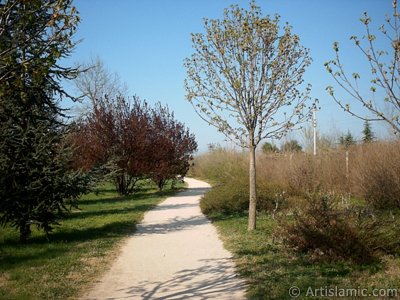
(271, 269)
(78, 250)
(263, 257)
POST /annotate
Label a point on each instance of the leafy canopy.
(244, 76)
(36, 179)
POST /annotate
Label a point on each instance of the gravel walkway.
(174, 254)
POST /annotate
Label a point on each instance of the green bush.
(233, 197)
(225, 199)
(326, 231)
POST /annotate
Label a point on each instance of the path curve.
(175, 253)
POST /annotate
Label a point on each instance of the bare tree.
(385, 70)
(323, 141)
(243, 78)
(96, 81)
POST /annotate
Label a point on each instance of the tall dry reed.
(371, 171)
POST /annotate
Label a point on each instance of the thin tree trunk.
(24, 232)
(253, 194)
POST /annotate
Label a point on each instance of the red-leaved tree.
(130, 141)
(173, 147)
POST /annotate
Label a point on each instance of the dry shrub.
(273, 168)
(221, 166)
(328, 232)
(374, 171)
(375, 174)
(302, 173)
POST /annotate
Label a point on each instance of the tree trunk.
(161, 183)
(24, 232)
(253, 194)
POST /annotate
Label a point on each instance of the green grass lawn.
(78, 250)
(271, 269)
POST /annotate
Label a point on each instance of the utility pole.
(315, 130)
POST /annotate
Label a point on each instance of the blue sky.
(146, 41)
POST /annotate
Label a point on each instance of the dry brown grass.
(4, 279)
(220, 166)
(375, 174)
(373, 171)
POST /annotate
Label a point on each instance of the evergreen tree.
(368, 135)
(269, 148)
(37, 182)
(347, 140)
(291, 146)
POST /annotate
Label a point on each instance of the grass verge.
(272, 270)
(78, 250)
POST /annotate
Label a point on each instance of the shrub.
(377, 174)
(233, 197)
(225, 199)
(327, 232)
(302, 175)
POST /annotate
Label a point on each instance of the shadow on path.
(215, 276)
(199, 267)
(192, 192)
(175, 224)
(174, 206)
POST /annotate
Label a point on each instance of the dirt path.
(174, 254)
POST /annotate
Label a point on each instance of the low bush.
(233, 197)
(377, 174)
(326, 231)
(225, 199)
(270, 269)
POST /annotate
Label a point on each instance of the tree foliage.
(112, 136)
(385, 71)
(171, 147)
(347, 140)
(37, 182)
(244, 77)
(243, 72)
(133, 141)
(291, 146)
(368, 134)
(269, 148)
